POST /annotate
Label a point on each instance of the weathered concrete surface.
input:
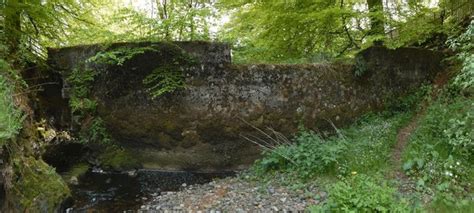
(200, 127)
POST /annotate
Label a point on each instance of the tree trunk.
(191, 24)
(162, 8)
(12, 26)
(376, 17)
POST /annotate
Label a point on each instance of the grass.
(10, 117)
(371, 142)
(363, 148)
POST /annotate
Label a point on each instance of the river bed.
(99, 191)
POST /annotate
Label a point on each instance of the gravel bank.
(234, 194)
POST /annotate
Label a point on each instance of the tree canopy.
(260, 31)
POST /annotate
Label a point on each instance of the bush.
(310, 155)
(361, 193)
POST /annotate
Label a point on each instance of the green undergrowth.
(10, 116)
(363, 193)
(363, 148)
(440, 154)
(349, 165)
(354, 163)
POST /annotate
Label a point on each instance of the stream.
(99, 191)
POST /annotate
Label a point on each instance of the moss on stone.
(36, 185)
(118, 159)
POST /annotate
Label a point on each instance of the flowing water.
(99, 191)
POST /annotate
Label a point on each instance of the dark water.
(118, 192)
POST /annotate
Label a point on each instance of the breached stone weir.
(200, 127)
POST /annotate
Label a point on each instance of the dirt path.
(404, 134)
(402, 141)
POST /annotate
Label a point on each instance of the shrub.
(310, 155)
(164, 80)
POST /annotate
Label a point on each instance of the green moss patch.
(118, 159)
(37, 185)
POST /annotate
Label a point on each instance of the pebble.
(233, 194)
